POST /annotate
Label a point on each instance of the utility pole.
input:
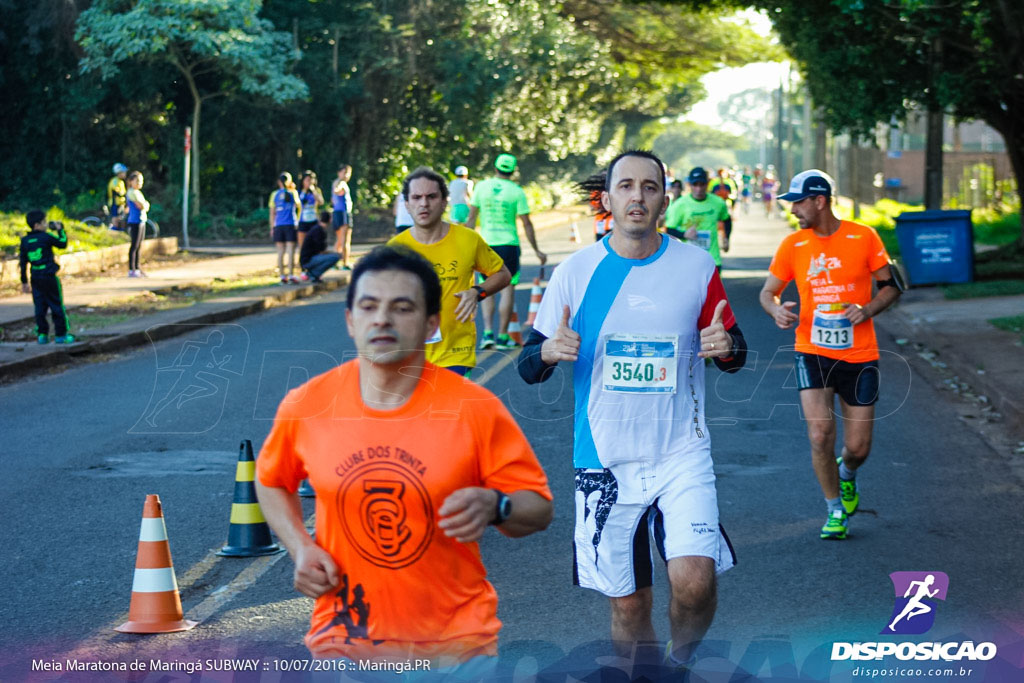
(933, 146)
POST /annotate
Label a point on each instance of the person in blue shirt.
(284, 207)
(36, 256)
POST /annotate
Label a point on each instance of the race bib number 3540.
(640, 363)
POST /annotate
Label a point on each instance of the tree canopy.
(384, 85)
(866, 61)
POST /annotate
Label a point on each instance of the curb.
(174, 325)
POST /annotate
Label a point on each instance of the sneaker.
(506, 342)
(304, 277)
(294, 279)
(488, 341)
(139, 273)
(835, 526)
(44, 339)
(66, 339)
(284, 280)
(133, 273)
(671, 663)
(348, 268)
(848, 493)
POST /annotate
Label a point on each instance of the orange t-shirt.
(407, 590)
(829, 272)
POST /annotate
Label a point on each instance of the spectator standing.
(138, 214)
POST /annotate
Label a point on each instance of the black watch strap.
(503, 508)
(481, 293)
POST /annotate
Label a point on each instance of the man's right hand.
(690, 234)
(565, 345)
(784, 315)
(315, 571)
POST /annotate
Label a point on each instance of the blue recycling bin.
(937, 247)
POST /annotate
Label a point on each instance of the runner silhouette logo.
(916, 597)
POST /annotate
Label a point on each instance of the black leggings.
(138, 233)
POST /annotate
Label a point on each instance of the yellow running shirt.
(461, 252)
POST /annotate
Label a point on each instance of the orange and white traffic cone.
(536, 293)
(156, 603)
(515, 332)
(574, 233)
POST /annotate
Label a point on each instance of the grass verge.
(95, 319)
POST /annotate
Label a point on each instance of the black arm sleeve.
(739, 357)
(531, 368)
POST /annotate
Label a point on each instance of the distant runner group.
(411, 462)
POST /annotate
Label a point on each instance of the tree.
(219, 48)
(866, 61)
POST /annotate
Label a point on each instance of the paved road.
(81, 449)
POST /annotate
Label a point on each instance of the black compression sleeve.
(531, 368)
(739, 357)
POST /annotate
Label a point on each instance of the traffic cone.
(249, 533)
(574, 233)
(306, 490)
(535, 296)
(156, 603)
(515, 332)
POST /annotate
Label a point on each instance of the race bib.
(831, 330)
(436, 337)
(640, 363)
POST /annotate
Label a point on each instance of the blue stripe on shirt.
(602, 290)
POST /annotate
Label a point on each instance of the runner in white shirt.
(460, 193)
(637, 314)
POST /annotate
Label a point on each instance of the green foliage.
(224, 39)
(678, 142)
(866, 61)
(972, 290)
(389, 85)
(81, 237)
(1013, 323)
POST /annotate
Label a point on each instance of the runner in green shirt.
(497, 202)
(699, 217)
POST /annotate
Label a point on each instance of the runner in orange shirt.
(410, 463)
(833, 263)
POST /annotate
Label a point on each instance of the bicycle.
(152, 227)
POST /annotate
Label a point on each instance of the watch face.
(504, 508)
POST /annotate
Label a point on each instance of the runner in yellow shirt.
(456, 252)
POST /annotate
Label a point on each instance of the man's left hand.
(715, 342)
(855, 313)
(466, 308)
(466, 513)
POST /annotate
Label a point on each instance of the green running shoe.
(506, 342)
(835, 526)
(848, 492)
(66, 339)
(488, 341)
(849, 496)
(43, 339)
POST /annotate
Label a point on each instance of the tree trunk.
(197, 103)
(1014, 139)
(933, 161)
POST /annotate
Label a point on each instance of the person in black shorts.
(284, 211)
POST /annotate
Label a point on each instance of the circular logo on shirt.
(386, 514)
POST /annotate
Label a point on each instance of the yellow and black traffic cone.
(249, 533)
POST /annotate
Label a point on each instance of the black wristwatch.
(503, 510)
(481, 293)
